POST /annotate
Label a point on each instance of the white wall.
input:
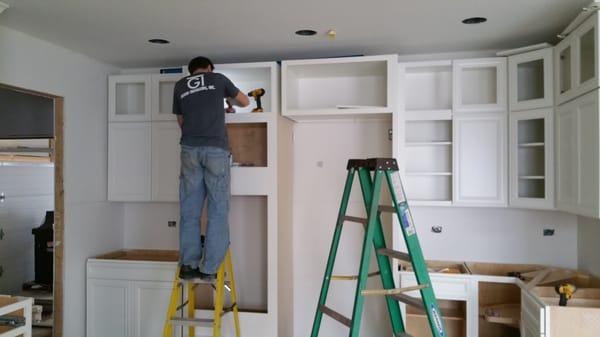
(469, 234)
(92, 225)
(29, 193)
(589, 249)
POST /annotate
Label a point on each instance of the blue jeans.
(204, 175)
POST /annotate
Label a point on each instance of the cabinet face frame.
(157, 80)
(113, 82)
(545, 56)
(591, 24)
(499, 63)
(548, 123)
(500, 198)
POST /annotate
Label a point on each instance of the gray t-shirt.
(199, 98)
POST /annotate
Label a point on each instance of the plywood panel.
(248, 143)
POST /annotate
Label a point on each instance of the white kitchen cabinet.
(339, 87)
(578, 142)
(425, 90)
(166, 161)
(129, 161)
(163, 86)
(577, 61)
(479, 85)
(531, 159)
(129, 98)
(531, 80)
(109, 304)
(480, 159)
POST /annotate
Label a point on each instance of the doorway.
(32, 207)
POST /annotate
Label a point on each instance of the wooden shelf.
(428, 173)
(507, 314)
(532, 177)
(428, 143)
(531, 145)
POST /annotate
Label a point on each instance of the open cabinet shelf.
(250, 76)
(426, 89)
(351, 86)
(453, 315)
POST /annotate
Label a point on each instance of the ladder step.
(394, 254)
(201, 322)
(387, 209)
(336, 315)
(355, 219)
(385, 292)
(351, 277)
(415, 302)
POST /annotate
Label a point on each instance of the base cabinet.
(108, 308)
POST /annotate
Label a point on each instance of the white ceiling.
(116, 31)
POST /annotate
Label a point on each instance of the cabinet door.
(129, 154)
(165, 161)
(564, 63)
(567, 158)
(531, 159)
(163, 86)
(480, 85)
(531, 80)
(129, 98)
(480, 169)
(108, 308)
(588, 143)
(151, 300)
(585, 44)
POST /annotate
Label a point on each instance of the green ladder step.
(371, 175)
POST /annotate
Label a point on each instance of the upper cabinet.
(425, 90)
(530, 80)
(129, 98)
(250, 76)
(480, 85)
(338, 87)
(576, 61)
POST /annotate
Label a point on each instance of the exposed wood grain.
(59, 215)
(248, 143)
(141, 255)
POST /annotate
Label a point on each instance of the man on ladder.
(205, 159)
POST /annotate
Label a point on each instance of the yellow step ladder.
(184, 291)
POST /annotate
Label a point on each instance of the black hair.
(200, 62)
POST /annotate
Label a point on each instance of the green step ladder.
(371, 173)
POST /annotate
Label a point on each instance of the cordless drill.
(257, 94)
(566, 291)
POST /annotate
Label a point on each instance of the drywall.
(589, 249)
(29, 193)
(92, 225)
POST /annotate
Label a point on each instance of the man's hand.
(240, 100)
(180, 120)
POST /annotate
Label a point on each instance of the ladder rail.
(333, 252)
(416, 253)
(371, 199)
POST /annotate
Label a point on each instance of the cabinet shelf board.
(428, 143)
(261, 117)
(531, 144)
(428, 173)
(532, 177)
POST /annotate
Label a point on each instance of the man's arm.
(180, 120)
(240, 100)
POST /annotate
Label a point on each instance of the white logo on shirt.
(196, 84)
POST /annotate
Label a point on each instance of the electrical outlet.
(548, 232)
(172, 223)
(390, 134)
(437, 229)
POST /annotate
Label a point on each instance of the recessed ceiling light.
(474, 20)
(159, 41)
(306, 32)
